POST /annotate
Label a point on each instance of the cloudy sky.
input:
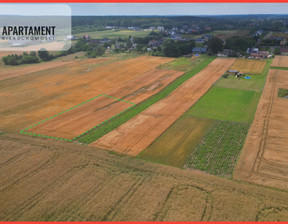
(102, 9)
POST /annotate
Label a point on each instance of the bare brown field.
(249, 66)
(280, 61)
(48, 180)
(37, 96)
(138, 133)
(264, 159)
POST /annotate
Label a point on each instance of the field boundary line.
(24, 131)
(279, 68)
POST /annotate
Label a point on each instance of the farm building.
(232, 72)
(199, 50)
(225, 53)
(207, 37)
(200, 41)
(252, 50)
(260, 54)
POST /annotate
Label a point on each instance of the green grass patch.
(177, 143)
(227, 104)
(111, 34)
(183, 64)
(218, 151)
(283, 93)
(114, 123)
(279, 68)
(256, 83)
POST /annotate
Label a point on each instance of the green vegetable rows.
(218, 151)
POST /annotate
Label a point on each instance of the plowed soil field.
(37, 96)
(138, 133)
(264, 159)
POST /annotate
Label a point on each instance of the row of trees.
(170, 48)
(27, 58)
(92, 51)
(237, 44)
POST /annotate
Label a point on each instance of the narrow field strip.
(280, 68)
(219, 149)
(25, 131)
(127, 115)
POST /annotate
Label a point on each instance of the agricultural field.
(183, 63)
(114, 34)
(121, 119)
(49, 180)
(227, 104)
(218, 151)
(177, 143)
(264, 157)
(8, 71)
(280, 61)
(139, 132)
(34, 97)
(223, 34)
(249, 66)
(256, 83)
(227, 108)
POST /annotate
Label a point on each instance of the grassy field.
(178, 142)
(218, 151)
(114, 123)
(114, 34)
(280, 68)
(183, 64)
(249, 66)
(227, 104)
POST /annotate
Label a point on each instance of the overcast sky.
(178, 8)
(103, 9)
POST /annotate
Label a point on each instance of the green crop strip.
(279, 68)
(124, 117)
(25, 131)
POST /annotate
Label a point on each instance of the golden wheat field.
(248, 66)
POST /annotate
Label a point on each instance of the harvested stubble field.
(72, 123)
(8, 72)
(139, 132)
(249, 66)
(280, 61)
(48, 180)
(33, 97)
(264, 158)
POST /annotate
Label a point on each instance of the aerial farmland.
(121, 133)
